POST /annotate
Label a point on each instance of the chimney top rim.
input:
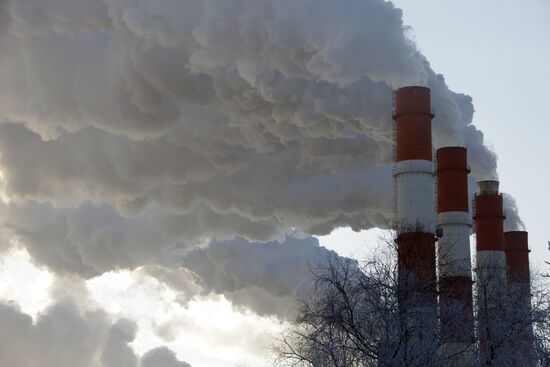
(456, 147)
(413, 87)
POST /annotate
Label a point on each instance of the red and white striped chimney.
(516, 248)
(490, 265)
(414, 180)
(454, 262)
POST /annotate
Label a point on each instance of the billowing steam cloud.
(512, 222)
(266, 277)
(135, 131)
(68, 334)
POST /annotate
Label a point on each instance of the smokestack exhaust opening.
(488, 187)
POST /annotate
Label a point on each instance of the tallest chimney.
(414, 171)
(414, 180)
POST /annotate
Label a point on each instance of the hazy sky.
(121, 229)
(498, 52)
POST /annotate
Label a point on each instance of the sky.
(138, 138)
(499, 55)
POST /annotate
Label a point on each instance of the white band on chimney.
(414, 166)
(491, 272)
(454, 250)
(491, 258)
(415, 196)
(454, 218)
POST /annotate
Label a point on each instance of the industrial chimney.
(414, 180)
(490, 263)
(517, 265)
(489, 225)
(454, 262)
(517, 256)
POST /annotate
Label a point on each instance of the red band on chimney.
(413, 118)
(452, 180)
(517, 256)
(416, 256)
(489, 222)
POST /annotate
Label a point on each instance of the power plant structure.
(414, 180)
(433, 236)
(516, 250)
(454, 260)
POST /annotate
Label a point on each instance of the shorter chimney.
(517, 265)
(517, 256)
(490, 261)
(489, 226)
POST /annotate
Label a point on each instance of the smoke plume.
(512, 220)
(133, 132)
(72, 333)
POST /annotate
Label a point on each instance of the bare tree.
(547, 275)
(364, 314)
(512, 317)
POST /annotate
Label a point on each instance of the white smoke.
(161, 356)
(135, 131)
(266, 277)
(71, 332)
(512, 220)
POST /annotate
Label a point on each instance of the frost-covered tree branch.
(360, 314)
